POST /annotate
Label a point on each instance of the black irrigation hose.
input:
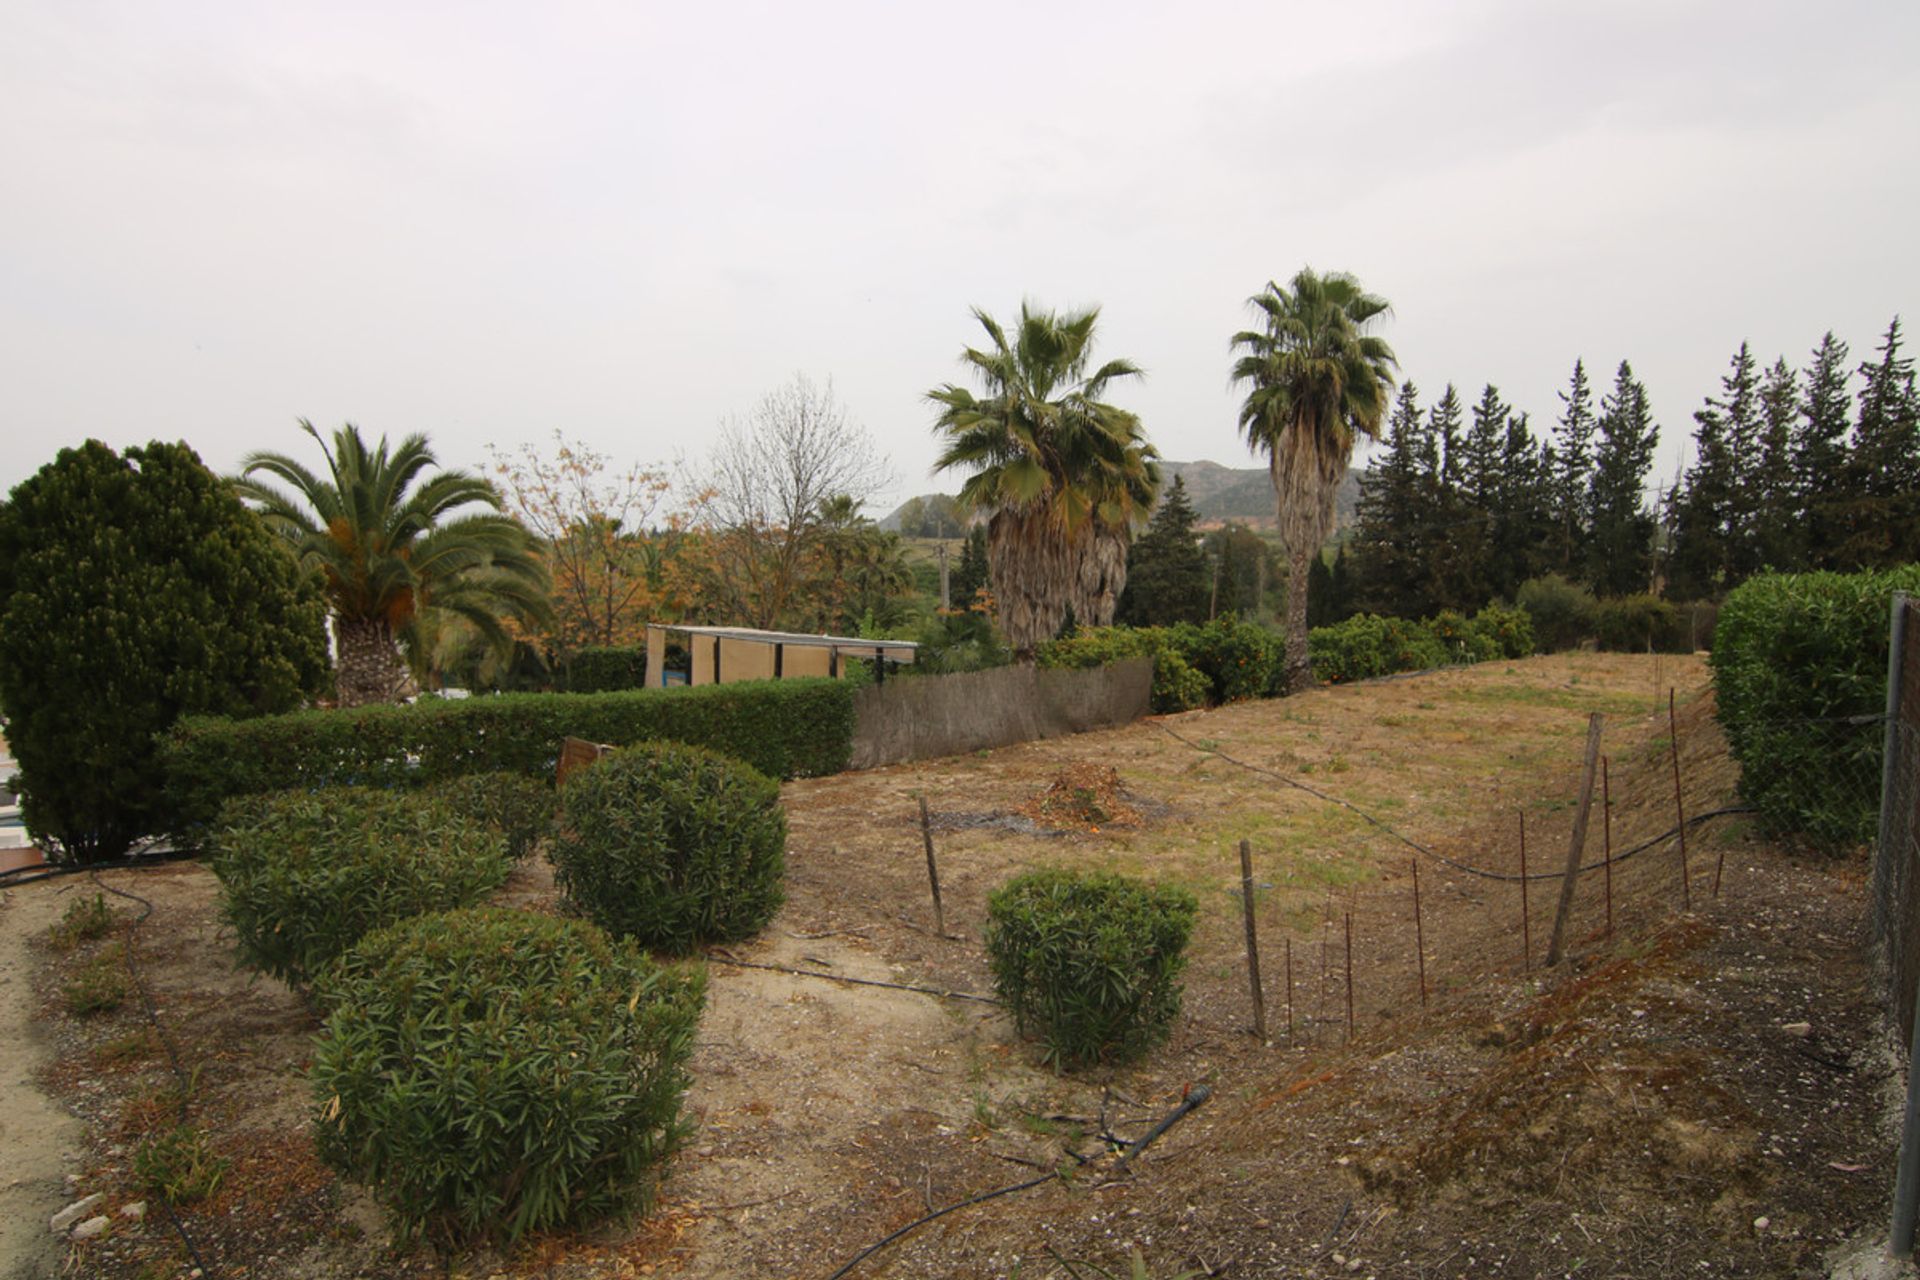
(1509, 877)
(51, 871)
(721, 957)
(1198, 1095)
(173, 1055)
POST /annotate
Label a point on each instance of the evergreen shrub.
(1508, 629)
(307, 874)
(490, 1072)
(784, 728)
(1367, 646)
(1463, 643)
(606, 668)
(1240, 659)
(1800, 683)
(1090, 962)
(135, 589)
(1562, 611)
(1177, 686)
(516, 805)
(1637, 623)
(671, 845)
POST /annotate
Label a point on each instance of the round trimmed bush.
(672, 845)
(1089, 961)
(307, 874)
(491, 1072)
(519, 807)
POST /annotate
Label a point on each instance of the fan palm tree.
(392, 553)
(1062, 474)
(1315, 377)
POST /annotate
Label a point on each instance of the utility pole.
(945, 603)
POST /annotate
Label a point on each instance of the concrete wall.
(921, 717)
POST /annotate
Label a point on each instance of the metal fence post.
(1906, 1187)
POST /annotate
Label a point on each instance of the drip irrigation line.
(166, 1041)
(1198, 1095)
(723, 957)
(45, 871)
(1509, 877)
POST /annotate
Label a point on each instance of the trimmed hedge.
(784, 728)
(607, 668)
(1090, 961)
(1800, 681)
(492, 1072)
(307, 874)
(671, 845)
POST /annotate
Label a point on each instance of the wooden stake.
(1577, 846)
(1419, 938)
(1253, 943)
(1606, 839)
(933, 872)
(1673, 733)
(1526, 926)
(1349, 977)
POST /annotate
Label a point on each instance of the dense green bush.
(135, 590)
(1507, 628)
(1800, 681)
(1635, 624)
(1462, 641)
(1562, 611)
(1176, 685)
(491, 1072)
(672, 845)
(1240, 659)
(1366, 646)
(516, 805)
(1089, 962)
(785, 728)
(307, 874)
(606, 668)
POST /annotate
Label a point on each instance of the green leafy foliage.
(1461, 641)
(492, 1072)
(672, 845)
(84, 920)
(1176, 685)
(1366, 646)
(1240, 659)
(1089, 962)
(1637, 623)
(307, 874)
(785, 728)
(518, 806)
(605, 668)
(179, 1164)
(1507, 628)
(1562, 611)
(135, 590)
(1800, 678)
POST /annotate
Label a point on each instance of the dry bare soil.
(1704, 1087)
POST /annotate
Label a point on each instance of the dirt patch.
(1633, 1112)
(1084, 797)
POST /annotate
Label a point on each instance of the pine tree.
(1386, 566)
(1620, 549)
(1778, 543)
(1883, 469)
(1479, 497)
(1447, 542)
(1709, 513)
(1820, 470)
(971, 574)
(1168, 579)
(1573, 474)
(1523, 521)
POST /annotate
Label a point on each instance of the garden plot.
(1654, 1100)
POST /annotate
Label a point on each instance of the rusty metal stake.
(1679, 809)
(933, 872)
(1419, 937)
(1606, 839)
(1526, 926)
(1349, 977)
(1253, 944)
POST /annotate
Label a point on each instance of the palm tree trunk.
(367, 663)
(1299, 666)
(1033, 571)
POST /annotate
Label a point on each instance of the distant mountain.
(1219, 495)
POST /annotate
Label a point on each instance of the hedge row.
(1800, 681)
(1566, 614)
(607, 669)
(784, 728)
(1367, 646)
(1221, 661)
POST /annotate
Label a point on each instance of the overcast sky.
(487, 221)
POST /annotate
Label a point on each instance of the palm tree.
(1315, 377)
(392, 554)
(1063, 474)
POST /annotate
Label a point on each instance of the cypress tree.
(1778, 545)
(1620, 549)
(1523, 521)
(1167, 572)
(1386, 567)
(1709, 518)
(1573, 473)
(1820, 469)
(971, 574)
(1448, 541)
(1883, 469)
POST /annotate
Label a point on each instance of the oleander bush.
(784, 728)
(490, 1072)
(306, 874)
(671, 845)
(1800, 683)
(518, 806)
(1089, 962)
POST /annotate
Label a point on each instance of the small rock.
(1801, 1029)
(74, 1212)
(1353, 1264)
(92, 1227)
(1339, 1259)
(1761, 1224)
(137, 1210)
